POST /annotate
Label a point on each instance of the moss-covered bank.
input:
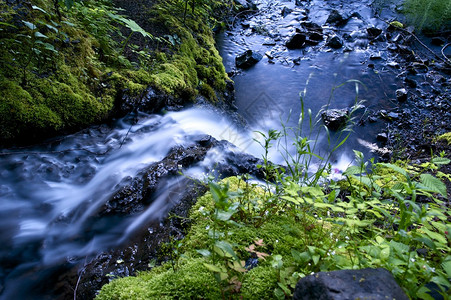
(189, 275)
(63, 69)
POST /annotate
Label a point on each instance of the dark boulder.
(382, 137)
(401, 95)
(375, 284)
(335, 119)
(373, 32)
(335, 18)
(335, 42)
(296, 41)
(247, 59)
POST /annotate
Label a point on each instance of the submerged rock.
(247, 59)
(336, 18)
(335, 119)
(367, 283)
(335, 42)
(296, 41)
(401, 95)
(373, 32)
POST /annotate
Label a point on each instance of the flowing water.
(49, 193)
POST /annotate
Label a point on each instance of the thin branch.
(443, 52)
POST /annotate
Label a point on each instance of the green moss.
(197, 61)
(445, 137)
(260, 283)
(191, 281)
(20, 111)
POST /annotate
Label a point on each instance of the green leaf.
(447, 267)
(293, 200)
(224, 215)
(29, 25)
(395, 168)
(352, 170)
(226, 248)
(7, 24)
(440, 160)
(132, 25)
(433, 184)
(40, 35)
(38, 8)
(204, 252)
(315, 259)
(213, 268)
(300, 257)
(50, 47)
(52, 27)
(436, 236)
(68, 23)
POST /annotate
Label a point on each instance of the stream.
(50, 192)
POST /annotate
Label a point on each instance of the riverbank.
(67, 68)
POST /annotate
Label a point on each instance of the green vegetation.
(255, 241)
(63, 66)
(429, 15)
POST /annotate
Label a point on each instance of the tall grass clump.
(429, 15)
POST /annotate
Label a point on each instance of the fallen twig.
(443, 52)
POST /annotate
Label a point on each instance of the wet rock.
(314, 39)
(335, 42)
(335, 18)
(286, 11)
(134, 197)
(382, 137)
(401, 95)
(247, 59)
(151, 101)
(389, 115)
(269, 42)
(410, 82)
(335, 119)
(296, 41)
(373, 32)
(368, 283)
(312, 27)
